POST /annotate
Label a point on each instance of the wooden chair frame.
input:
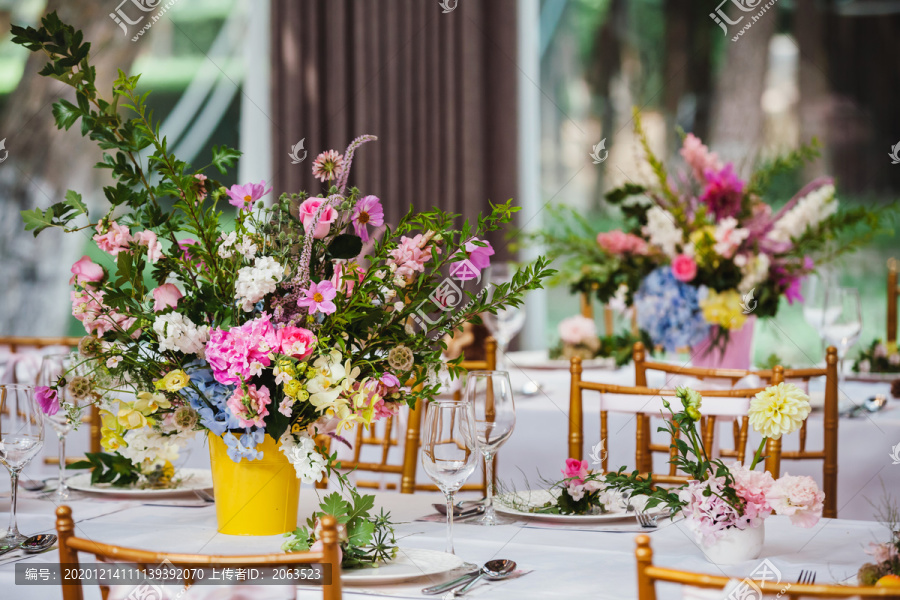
(829, 452)
(70, 546)
(893, 291)
(648, 575)
(644, 449)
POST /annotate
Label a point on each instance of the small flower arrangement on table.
(308, 316)
(879, 357)
(885, 568)
(578, 337)
(580, 492)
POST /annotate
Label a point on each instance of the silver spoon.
(492, 569)
(875, 403)
(33, 545)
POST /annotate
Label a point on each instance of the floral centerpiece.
(306, 317)
(701, 250)
(884, 570)
(879, 357)
(578, 337)
(722, 502)
(581, 491)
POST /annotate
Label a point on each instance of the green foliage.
(783, 163)
(114, 469)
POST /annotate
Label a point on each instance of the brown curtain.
(438, 89)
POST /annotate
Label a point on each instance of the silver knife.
(449, 585)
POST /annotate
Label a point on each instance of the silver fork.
(204, 495)
(646, 520)
(807, 577)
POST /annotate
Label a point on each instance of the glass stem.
(449, 522)
(61, 484)
(489, 484)
(501, 356)
(14, 487)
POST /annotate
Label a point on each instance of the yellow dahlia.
(779, 410)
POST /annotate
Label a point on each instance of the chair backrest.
(70, 546)
(893, 291)
(644, 403)
(648, 575)
(829, 452)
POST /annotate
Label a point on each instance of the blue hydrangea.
(217, 418)
(245, 447)
(669, 311)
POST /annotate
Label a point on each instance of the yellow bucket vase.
(254, 497)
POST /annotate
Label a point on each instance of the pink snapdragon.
(47, 398)
(724, 192)
(346, 285)
(250, 405)
(308, 211)
(798, 497)
(114, 240)
(319, 298)
(684, 268)
(86, 271)
(166, 296)
(149, 240)
(296, 341)
(97, 318)
(243, 196)
(698, 157)
(240, 352)
(410, 256)
(368, 211)
(618, 242)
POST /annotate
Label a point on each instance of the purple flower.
(368, 211)
(47, 398)
(479, 258)
(724, 193)
(243, 196)
(319, 298)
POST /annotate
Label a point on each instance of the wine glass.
(491, 396)
(449, 449)
(845, 328)
(508, 321)
(21, 438)
(53, 367)
(814, 291)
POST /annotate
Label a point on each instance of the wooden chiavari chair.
(70, 546)
(645, 403)
(893, 291)
(17, 344)
(829, 452)
(648, 575)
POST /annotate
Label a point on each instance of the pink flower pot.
(737, 353)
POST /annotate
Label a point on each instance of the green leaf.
(73, 199)
(65, 114)
(360, 531)
(336, 506)
(345, 246)
(224, 158)
(37, 219)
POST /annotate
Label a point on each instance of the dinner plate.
(501, 505)
(540, 359)
(191, 479)
(411, 563)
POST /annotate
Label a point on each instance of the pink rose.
(115, 240)
(296, 341)
(165, 296)
(148, 239)
(86, 271)
(308, 212)
(250, 408)
(619, 242)
(798, 497)
(576, 470)
(684, 268)
(577, 329)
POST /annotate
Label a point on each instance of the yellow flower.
(148, 403)
(129, 418)
(110, 431)
(285, 366)
(173, 381)
(292, 388)
(724, 309)
(691, 400)
(779, 410)
(891, 348)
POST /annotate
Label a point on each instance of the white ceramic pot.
(736, 546)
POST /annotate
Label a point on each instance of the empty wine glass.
(53, 367)
(21, 438)
(449, 449)
(508, 321)
(844, 329)
(491, 396)
(814, 291)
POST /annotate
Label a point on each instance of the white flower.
(300, 450)
(894, 359)
(755, 271)
(227, 242)
(256, 282)
(398, 305)
(729, 237)
(113, 361)
(149, 449)
(661, 231)
(865, 366)
(578, 329)
(247, 248)
(809, 211)
(400, 281)
(177, 332)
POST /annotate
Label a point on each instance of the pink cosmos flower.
(250, 407)
(166, 296)
(479, 258)
(308, 213)
(154, 247)
(47, 398)
(368, 211)
(319, 298)
(243, 196)
(115, 240)
(798, 497)
(240, 351)
(577, 329)
(576, 470)
(724, 192)
(184, 246)
(296, 341)
(684, 268)
(86, 271)
(328, 166)
(698, 156)
(618, 242)
(411, 255)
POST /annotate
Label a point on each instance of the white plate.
(542, 496)
(540, 359)
(411, 563)
(191, 479)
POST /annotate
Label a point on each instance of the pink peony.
(798, 497)
(698, 157)
(411, 255)
(241, 351)
(115, 240)
(576, 330)
(319, 297)
(86, 271)
(708, 516)
(752, 487)
(47, 398)
(618, 242)
(576, 470)
(296, 341)
(250, 406)
(684, 268)
(166, 296)
(724, 193)
(154, 247)
(368, 211)
(243, 196)
(308, 213)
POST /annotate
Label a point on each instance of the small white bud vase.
(736, 546)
